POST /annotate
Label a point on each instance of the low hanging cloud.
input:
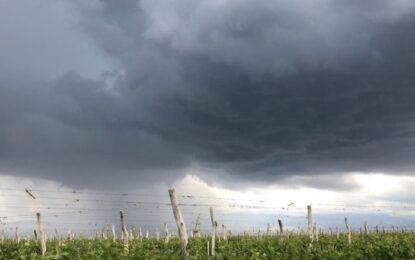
(257, 91)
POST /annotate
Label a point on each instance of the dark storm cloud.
(74, 132)
(259, 90)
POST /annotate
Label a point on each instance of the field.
(214, 242)
(373, 246)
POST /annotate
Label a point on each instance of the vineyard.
(372, 246)
(220, 238)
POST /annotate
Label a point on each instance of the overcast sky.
(237, 94)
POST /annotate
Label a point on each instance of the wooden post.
(57, 236)
(42, 235)
(349, 233)
(71, 235)
(280, 225)
(224, 233)
(58, 244)
(56, 233)
(17, 237)
(208, 247)
(212, 219)
(315, 231)
(181, 227)
(166, 233)
(196, 230)
(214, 226)
(114, 235)
(104, 233)
(310, 222)
(268, 229)
(365, 228)
(124, 231)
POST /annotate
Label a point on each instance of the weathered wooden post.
(196, 230)
(349, 232)
(259, 234)
(181, 227)
(214, 226)
(114, 235)
(166, 233)
(104, 233)
(280, 225)
(17, 237)
(124, 232)
(42, 235)
(315, 230)
(58, 244)
(57, 237)
(365, 228)
(224, 233)
(56, 233)
(70, 235)
(208, 249)
(310, 222)
(269, 230)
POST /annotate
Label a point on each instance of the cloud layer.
(254, 90)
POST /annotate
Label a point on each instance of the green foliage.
(374, 246)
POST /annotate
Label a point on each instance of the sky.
(284, 101)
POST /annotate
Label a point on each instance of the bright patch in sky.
(378, 183)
